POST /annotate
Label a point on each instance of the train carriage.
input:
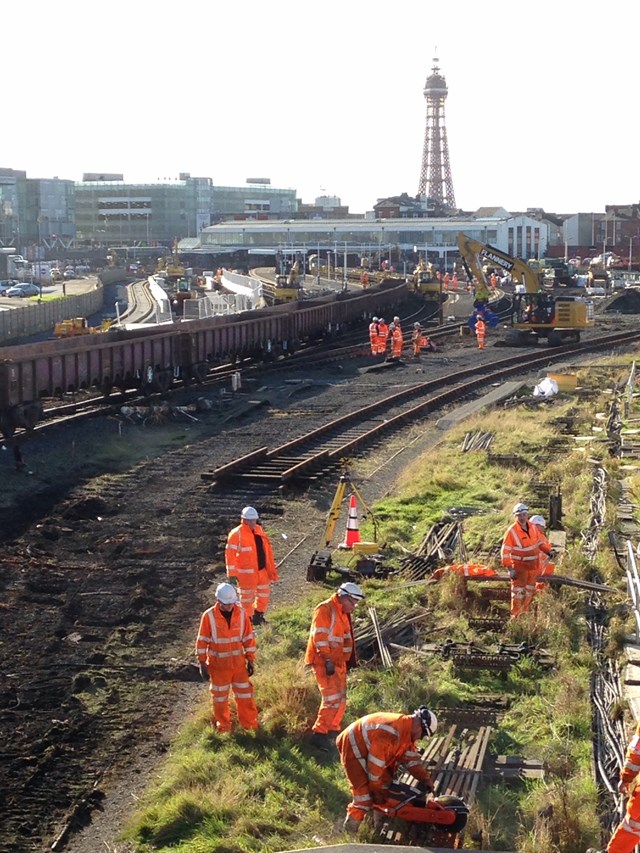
(151, 358)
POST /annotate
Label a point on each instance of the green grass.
(265, 792)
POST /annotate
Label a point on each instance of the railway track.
(322, 449)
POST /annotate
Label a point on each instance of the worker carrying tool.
(519, 555)
(373, 748)
(226, 651)
(249, 559)
(545, 565)
(331, 651)
(627, 834)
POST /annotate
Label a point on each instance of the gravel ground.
(112, 549)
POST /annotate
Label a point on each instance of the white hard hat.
(537, 519)
(396, 319)
(428, 720)
(374, 320)
(226, 593)
(249, 514)
(417, 325)
(520, 508)
(351, 589)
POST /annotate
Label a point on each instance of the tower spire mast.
(435, 174)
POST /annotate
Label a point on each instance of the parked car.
(69, 274)
(4, 286)
(23, 289)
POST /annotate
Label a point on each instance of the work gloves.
(204, 672)
(250, 668)
(329, 667)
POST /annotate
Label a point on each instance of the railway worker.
(331, 652)
(373, 335)
(519, 554)
(454, 281)
(371, 752)
(249, 559)
(627, 834)
(417, 337)
(481, 330)
(383, 335)
(395, 335)
(545, 566)
(397, 323)
(446, 281)
(226, 651)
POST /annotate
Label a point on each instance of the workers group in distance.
(388, 340)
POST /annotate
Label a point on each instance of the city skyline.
(327, 99)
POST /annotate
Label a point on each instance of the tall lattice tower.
(435, 174)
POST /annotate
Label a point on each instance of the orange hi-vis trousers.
(627, 834)
(236, 679)
(333, 698)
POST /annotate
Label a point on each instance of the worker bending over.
(519, 554)
(545, 566)
(331, 651)
(372, 751)
(249, 559)
(226, 651)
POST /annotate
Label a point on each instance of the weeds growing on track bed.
(269, 791)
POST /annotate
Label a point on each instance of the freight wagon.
(152, 358)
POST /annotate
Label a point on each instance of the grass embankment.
(268, 791)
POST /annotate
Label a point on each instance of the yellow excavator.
(425, 280)
(79, 326)
(288, 284)
(366, 558)
(536, 313)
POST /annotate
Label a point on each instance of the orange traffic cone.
(353, 530)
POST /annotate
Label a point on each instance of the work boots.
(320, 741)
(258, 618)
(351, 825)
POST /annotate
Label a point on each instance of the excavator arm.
(474, 254)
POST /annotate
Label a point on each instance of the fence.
(25, 320)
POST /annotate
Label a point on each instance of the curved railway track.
(323, 448)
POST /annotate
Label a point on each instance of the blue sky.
(327, 97)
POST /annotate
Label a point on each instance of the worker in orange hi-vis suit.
(545, 566)
(249, 559)
(226, 651)
(627, 834)
(373, 335)
(396, 341)
(519, 554)
(383, 334)
(455, 281)
(371, 752)
(331, 651)
(481, 330)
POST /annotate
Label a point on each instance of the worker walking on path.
(331, 651)
(627, 834)
(249, 559)
(373, 335)
(481, 330)
(371, 752)
(545, 566)
(519, 554)
(226, 651)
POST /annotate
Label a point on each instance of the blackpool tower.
(435, 174)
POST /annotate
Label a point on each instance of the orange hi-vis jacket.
(627, 834)
(396, 342)
(632, 759)
(381, 744)
(241, 556)
(225, 645)
(383, 334)
(331, 635)
(520, 548)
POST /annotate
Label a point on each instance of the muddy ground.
(112, 544)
